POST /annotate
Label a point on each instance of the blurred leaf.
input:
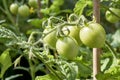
(79, 7)
(47, 77)
(83, 70)
(116, 39)
(111, 74)
(2, 21)
(102, 76)
(5, 61)
(36, 22)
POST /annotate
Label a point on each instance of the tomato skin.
(74, 33)
(111, 17)
(14, 8)
(67, 48)
(33, 3)
(50, 39)
(93, 35)
(23, 11)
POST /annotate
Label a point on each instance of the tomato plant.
(53, 39)
(93, 35)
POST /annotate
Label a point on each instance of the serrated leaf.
(5, 61)
(47, 77)
(69, 70)
(79, 7)
(6, 35)
(110, 74)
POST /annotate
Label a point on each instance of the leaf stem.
(7, 11)
(111, 49)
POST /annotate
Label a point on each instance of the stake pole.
(96, 51)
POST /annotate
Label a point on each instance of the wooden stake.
(96, 51)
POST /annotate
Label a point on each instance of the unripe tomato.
(67, 48)
(74, 33)
(93, 35)
(14, 8)
(33, 3)
(50, 39)
(23, 11)
(111, 17)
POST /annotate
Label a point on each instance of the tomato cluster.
(24, 9)
(68, 39)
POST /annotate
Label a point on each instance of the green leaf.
(79, 7)
(84, 71)
(47, 77)
(107, 62)
(116, 39)
(36, 22)
(5, 62)
(6, 35)
(112, 73)
(102, 76)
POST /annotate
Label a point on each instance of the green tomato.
(93, 35)
(23, 11)
(33, 3)
(50, 39)
(14, 8)
(111, 17)
(74, 33)
(67, 48)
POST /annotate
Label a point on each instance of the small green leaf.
(5, 61)
(47, 77)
